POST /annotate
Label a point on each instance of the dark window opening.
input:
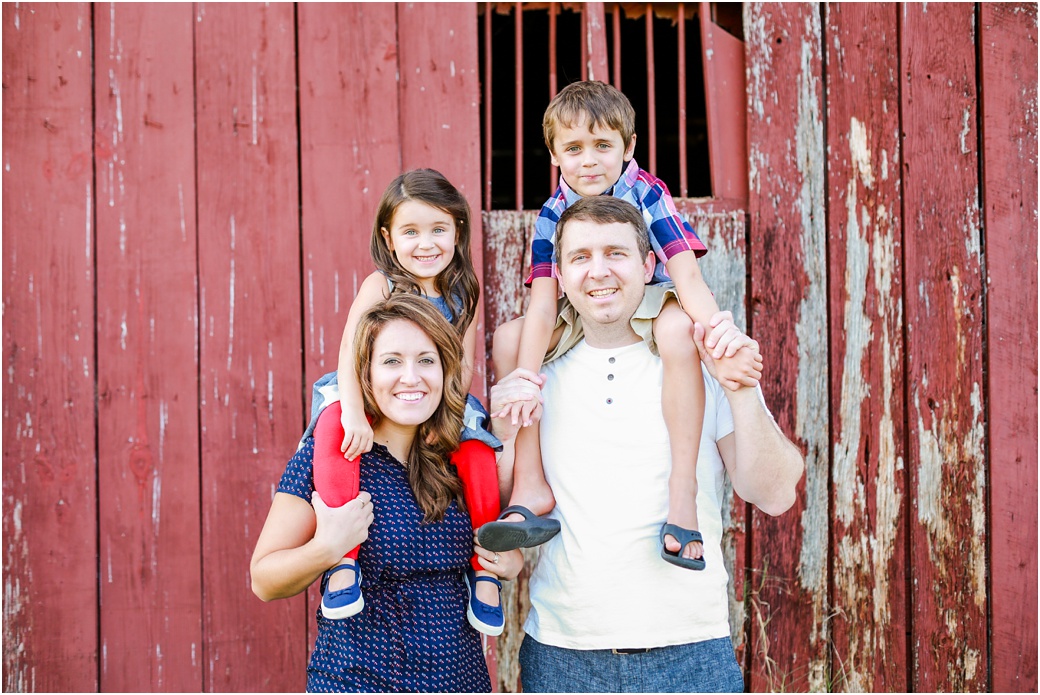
(631, 34)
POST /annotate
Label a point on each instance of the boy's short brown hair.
(598, 102)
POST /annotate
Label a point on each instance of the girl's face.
(422, 238)
(406, 374)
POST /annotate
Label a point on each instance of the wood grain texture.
(945, 400)
(723, 229)
(148, 425)
(250, 334)
(49, 459)
(868, 514)
(789, 631)
(1008, 49)
(348, 155)
(440, 110)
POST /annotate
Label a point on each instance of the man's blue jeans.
(707, 667)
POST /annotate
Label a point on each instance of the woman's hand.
(341, 529)
(504, 565)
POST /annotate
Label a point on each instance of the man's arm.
(763, 464)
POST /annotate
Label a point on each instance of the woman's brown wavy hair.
(458, 282)
(433, 479)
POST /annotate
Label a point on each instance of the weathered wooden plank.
(788, 602)
(440, 110)
(723, 230)
(944, 347)
(868, 515)
(49, 461)
(1008, 48)
(250, 349)
(348, 93)
(151, 598)
(594, 42)
(507, 250)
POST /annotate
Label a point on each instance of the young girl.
(420, 245)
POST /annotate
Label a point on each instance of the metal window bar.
(596, 62)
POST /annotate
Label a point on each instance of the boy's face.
(590, 160)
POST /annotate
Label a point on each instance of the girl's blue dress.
(412, 634)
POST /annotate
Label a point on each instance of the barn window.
(685, 81)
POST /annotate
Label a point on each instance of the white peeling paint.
(231, 297)
(812, 420)
(965, 131)
(849, 491)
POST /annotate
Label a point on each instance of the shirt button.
(610, 377)
(609, 401)
(611, 360)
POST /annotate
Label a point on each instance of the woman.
(413, 633)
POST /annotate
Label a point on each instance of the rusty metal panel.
(49, 461)
(789, 626)
(868, 514)
(148, 427)
(250, 352)
(1008, 49)
(440, 111)
(726, 107)
(945, 400)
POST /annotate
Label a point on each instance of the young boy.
(589, 128)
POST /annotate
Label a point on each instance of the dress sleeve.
(298, 478)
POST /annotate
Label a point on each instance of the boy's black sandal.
(684, 536)
(499, 536)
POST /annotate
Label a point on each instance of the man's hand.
(515, 400)
(743, 368)
(725, 338)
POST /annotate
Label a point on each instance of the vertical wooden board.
(148, 480)
(250, 349)
(594, 36)
(440, 111)
(348, 94)
(868, 513)
(788, 602)
(49, 462)
(507, 242)
(944, 348)
(723, 230)
(1008, 43)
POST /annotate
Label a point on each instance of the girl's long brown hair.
(458, 282)
(433, 479)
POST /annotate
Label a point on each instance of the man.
(607, 613)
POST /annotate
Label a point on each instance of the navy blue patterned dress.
(412, 634)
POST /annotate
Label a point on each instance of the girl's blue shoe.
(483, 618)
(336, 605)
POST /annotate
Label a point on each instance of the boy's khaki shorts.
(642, 321)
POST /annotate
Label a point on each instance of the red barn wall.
(187, 201)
